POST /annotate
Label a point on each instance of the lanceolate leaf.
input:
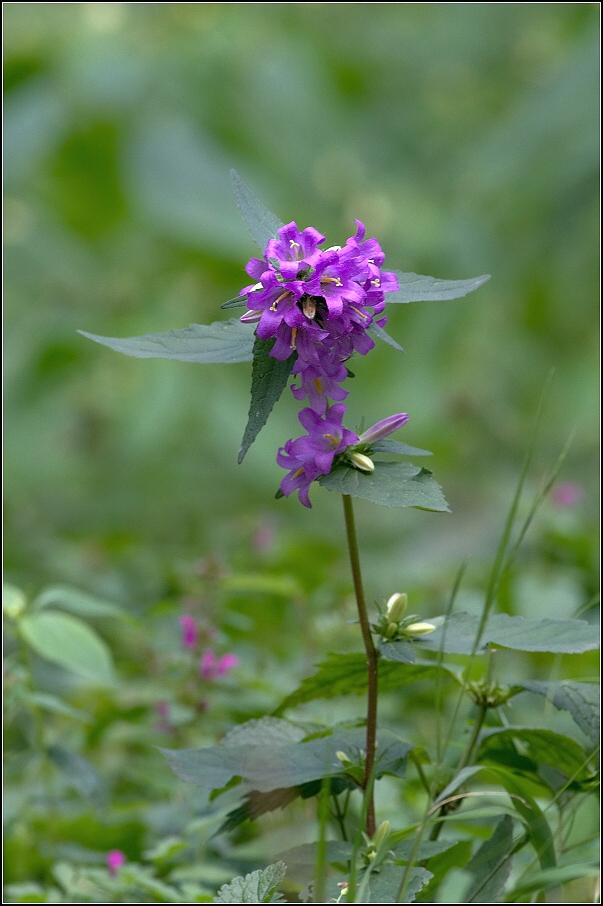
(268, 380)
(391, 484)
(491, 865)
(260, 222)
(582, 700)
(414, 288)
(559, 636)
(221, 342)
(534, 818)
(376, 331)
(70, 643)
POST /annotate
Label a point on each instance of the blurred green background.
(464, 136)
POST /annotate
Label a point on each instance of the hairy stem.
(371, 658)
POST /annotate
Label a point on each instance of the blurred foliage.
(466, 137)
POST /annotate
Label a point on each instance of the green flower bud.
(396, 606)
(391, 630)
(343, 758)
(362, 462)
(383, 832)
(420, 628)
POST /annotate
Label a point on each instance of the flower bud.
(396, 606)
(250, 317)
(362, 462)
(420, 628)
(383, 428)
(383, 832)
(392, 629)
(343, 758)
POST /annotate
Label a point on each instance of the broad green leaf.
(375, 331)
(562, 636)
(491, 865)
(400, 651)
(345, 674)
(256, 887)
(78, 772)
(454, 857)
(53, 703)
(582, 700)
(384, 885)
(414, 288)
(391, 484)
(535, 745)
(531, 814)
(263, 731)
(261, 223)
(268, 380)
(69, 642)
(396, 446)
(13, 601)
(210, 344)
(553, 877)
(78, 602)
(426, 850)
(336, 851)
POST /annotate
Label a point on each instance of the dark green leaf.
(563, 636)
(261, 223)
(268, 380)
(582, 700)
(400, 651)
(256, 887)
(395, 446)
(345, 674)
(238, 302)
(491, 865)
(375, 331)
(69, 642)
(536, 745)
(210, 344)
(391, 484)
(414, 288)
(385, 884)
(78, 772)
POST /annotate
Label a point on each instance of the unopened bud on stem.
(383, 832)
(396, 606)
(362, 462)
(383, 428)
(420, 628)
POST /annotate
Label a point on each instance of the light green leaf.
(396, 446)
(78, 602)
(220, 342)
(463, 775)
(261, 223)
(261, 583)
(562, 636)
(13, 601)
(55, 704)
(582, 700)
(375, 331)
(414, 288)
(391, 484)
(400, 651)
(268, 380)
(491, 865)
(256, 887)
(264, 731)
(345, 674)
(553, 877)
(69, 642)
(384, 885)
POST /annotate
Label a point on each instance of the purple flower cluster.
(318, 304)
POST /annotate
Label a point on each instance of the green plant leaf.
(375, 331)
(53, 703)
(210, 344)
(384, 885)
(69, 642)
(400, 651)
(539, 746)
(414, 288)
(78, 772)
(531, 814)
(391, 484)
(582, 700)
(345, 674)
(396, 446)
(263, 731)
(553, 877)
(261, 223)
(268, 380)
(491, 865)
(426, 850)
(463, 775)
(237, 302)
(78, 602)
(559, 636)
(256, 887)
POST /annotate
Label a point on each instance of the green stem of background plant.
(371, 658)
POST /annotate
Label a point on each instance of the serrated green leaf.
(582, 700)
(540, 746)
(491, 865)
(558, 636)
(256, 887)
(375, 331)
(69, 642)
(268, 380)
(400, 651)
(220, 342)
(384, 885)
(77, 602)
(345, 674)
(264, 731)
(397, 484)
(261, 223)
(414, 288)
(396, 446)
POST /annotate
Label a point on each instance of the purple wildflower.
(115, 859)
(566, 494)
(190, 631)
(383, 428)
(211, 666)
(312, 455)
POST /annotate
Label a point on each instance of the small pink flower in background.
(190, 632)
(162, 708)
(210, 666)
(115, 859)
(566, 494)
